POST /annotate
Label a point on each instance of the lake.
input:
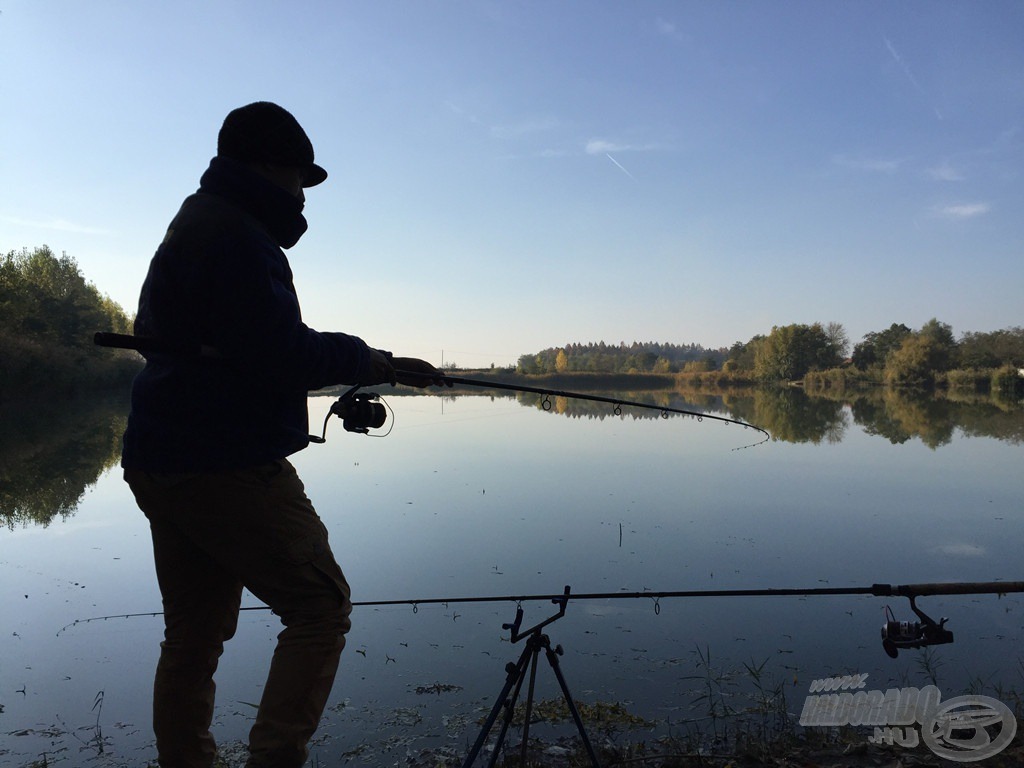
(472, 496)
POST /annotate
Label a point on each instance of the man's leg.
(259, 526)
(200, 603)
(303, 584)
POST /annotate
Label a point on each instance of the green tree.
(790, 351)
(922, 355)
(48, 314)
(45, 297)
(526, 364)
(909, 365)
(838, 339)
(944, 353)
(993, 349)
(741, 356)
(877, 346)
(663, 365)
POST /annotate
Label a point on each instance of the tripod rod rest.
(518, 635)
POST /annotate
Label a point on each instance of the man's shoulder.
(206, 222)
(202, 211)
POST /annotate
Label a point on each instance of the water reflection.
(793, 415)
(51, 454)
(474, 496)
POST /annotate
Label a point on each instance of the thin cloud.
(524, 128)
(603, 147)
(962, 549)
(945, 172)
(668, 29)
(55, 225)
(462, 113)
(963, 210)
(869, 164)
(509, 131)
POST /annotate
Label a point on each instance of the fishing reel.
(359, 412)
(912, 634)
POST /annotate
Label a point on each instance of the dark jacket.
(220, 279)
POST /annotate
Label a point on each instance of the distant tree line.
(637, 357)
(898, 356)
(48, 314)
(817, 355)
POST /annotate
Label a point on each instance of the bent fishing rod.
(361, 412)
(616, 403)
(896, 634)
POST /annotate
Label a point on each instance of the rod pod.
(516, 675)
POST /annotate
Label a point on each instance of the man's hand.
(423, 374)
(382, 371)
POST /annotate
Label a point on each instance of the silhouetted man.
(207, 439)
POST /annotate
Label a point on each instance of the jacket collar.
(278, 211)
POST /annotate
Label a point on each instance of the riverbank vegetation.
(815, 356)
(49, 312)
(48, 315)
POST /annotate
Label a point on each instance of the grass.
(731, 717)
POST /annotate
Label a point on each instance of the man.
(209, 432)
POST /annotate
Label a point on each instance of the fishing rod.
(360, 411)
(616, 403)
(896, 634)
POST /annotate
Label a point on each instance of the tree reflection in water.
(794, 415)
(51, 453)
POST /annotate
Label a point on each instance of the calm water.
(477, 496)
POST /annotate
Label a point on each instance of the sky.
(511, 176)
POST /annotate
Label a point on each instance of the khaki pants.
(213, 534)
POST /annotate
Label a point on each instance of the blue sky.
(510, 176)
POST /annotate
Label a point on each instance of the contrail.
(903, 65)
(617, 163)
(906, 70)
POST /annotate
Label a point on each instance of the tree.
(741, 356)
(912, 364)
(838, 339)
(526, 364)
(48, 315)
(46, 298)
(561, 361)
(921, 355)
(790, 351)
(944, 353)
(876, 347)
(993, 349)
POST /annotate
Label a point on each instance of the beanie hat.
(265, 132)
